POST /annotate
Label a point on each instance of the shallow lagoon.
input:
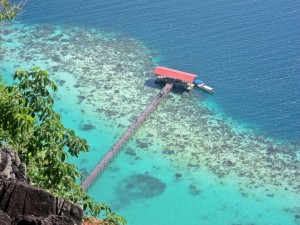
(187, 164)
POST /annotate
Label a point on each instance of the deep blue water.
(249, 51)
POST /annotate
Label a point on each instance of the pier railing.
(128, 133)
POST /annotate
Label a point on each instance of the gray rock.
(23, 203)
(4, 218)
(51, 220)
(11, 167)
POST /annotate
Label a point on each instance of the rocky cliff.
(22, 203)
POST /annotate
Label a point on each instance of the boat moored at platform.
(206, 88)
(203, 86)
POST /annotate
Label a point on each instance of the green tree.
(30, 125)
(8, 11)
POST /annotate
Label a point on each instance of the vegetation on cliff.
(30, 125)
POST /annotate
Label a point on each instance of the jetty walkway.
(129, 132)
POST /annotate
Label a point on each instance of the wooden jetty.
(129, 132)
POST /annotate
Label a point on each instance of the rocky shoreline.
(23, 203)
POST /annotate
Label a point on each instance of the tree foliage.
(30, 125)
(8, 11)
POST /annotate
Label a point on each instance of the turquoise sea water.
(228, 158)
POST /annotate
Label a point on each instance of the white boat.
(206, 88)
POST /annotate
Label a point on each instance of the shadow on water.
(152, 83)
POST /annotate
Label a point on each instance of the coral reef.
(109, 76)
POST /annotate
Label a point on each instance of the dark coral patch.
(178, 175)
(168, 152)
(80, 98)
(140, 186)
(60, 82)
(193, 190)
(86, 127)
(142, 144)
(130, 152)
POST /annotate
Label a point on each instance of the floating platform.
(180, 78)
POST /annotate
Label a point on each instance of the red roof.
(175, 74)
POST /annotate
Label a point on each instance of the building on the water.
(179, 78)
(176, 77)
